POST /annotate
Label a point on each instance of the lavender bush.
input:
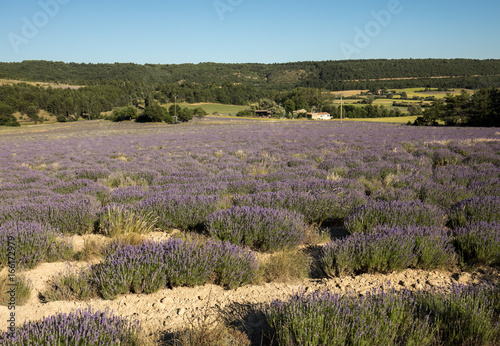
(70, 215)
(468, 315)
(33, 243)
(82, 327)
(388, 249)
(316, 205)
(380, 213)
(179, 211)
(475, 209)
(148, 267)
(259, 228)
(324, 318)
(478, 243)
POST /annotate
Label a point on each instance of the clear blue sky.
(193, 31)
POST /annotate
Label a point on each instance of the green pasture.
(411, 92)
(213, 108)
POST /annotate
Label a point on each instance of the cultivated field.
(243, 231)
(214, 108)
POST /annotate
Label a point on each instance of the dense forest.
(331, 75)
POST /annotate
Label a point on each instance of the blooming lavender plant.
(33, 243)
(478, 243)
(475, 209)
(365, 218)
(388, 249)
(260, 228)
(82, 327)
(466, 315)
(148, 267)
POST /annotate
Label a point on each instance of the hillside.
(332, 75)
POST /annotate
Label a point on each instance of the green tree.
(185, 115)
(6, 116)
(433, 114)
(32, 113)
(123, 114)
(174, 110)
(199, 112)
(154, 114)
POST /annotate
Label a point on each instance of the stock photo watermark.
(223, 6)
(31, 26)
(364, 36)
(11, 285)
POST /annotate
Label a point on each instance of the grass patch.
(22, 290)
(118, 221)
(284, 266)
(214, 108)
(73, 284)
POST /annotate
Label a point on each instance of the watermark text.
(31, 26)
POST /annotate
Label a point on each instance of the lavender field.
(383, 197)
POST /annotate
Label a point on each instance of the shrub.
(82, 327)
(234, 266)
(380, 213)
(154, 113)
(256, 227)
(33, 244)
(199, 112)
(478, 244)
(468, 315)
(386, 250)
(123, 114)
(316, 205)
(179, 211)
(8, 120)
(151, 266)
(71, 215)
(324, 318)
(475, 209)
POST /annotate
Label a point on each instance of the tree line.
(331, 75)
(480, 109)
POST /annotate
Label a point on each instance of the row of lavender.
(151, 266)
(466, 316)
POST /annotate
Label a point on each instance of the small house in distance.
(321, 116)
(263, 113)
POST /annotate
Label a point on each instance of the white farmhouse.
(321, 116)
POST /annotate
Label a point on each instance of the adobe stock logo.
(372, 29)
(31, 27)
(223, 6)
